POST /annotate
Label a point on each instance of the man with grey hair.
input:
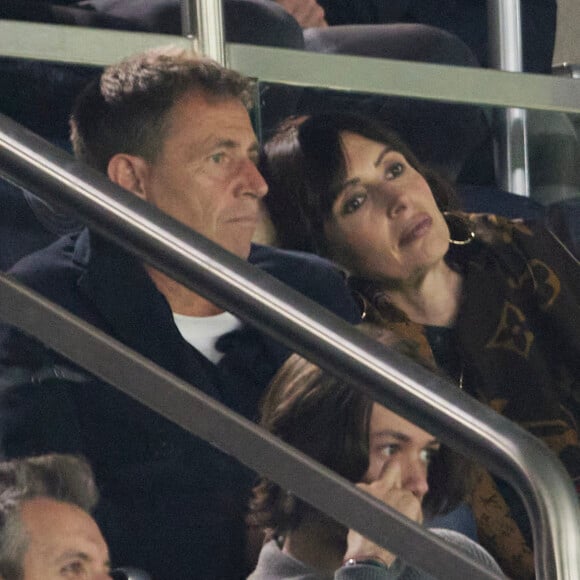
(174, 130)
(46, 530)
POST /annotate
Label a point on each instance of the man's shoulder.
(315, 277)
(49, 269)
(53, 273)
(288, 265)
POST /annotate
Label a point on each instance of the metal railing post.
(204, 21)
(510, 125)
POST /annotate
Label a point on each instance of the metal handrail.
(408, 389)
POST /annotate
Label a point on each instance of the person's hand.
(387, 488)
(308, 13)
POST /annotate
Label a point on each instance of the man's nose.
(253, 181)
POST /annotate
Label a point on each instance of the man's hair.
(328, 419)
(126, 109)
(63, 478)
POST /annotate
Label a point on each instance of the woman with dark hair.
(394, 460)
(494, 302)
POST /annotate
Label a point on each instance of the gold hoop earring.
(362, 304)
(460, 227)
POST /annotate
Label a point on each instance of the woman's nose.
(415, 478)
(397, 202)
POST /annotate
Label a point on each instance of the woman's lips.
(416, 229)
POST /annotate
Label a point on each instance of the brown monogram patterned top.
(518, 338)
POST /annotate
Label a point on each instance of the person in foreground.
(173, 129)
(46, 530)
(495, 302)
(388, 456)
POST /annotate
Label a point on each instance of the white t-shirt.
(202, 332)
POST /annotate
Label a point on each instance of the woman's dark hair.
(304, 166)
(326, 418)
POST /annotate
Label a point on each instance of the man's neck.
(182, 300)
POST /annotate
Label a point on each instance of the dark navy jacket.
(171, 504)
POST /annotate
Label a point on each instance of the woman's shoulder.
(494, 228)
(274, 564)
(469, 547)
(517, 239)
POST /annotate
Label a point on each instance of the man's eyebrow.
(79, 555)
(382, 154)
(231, 144)
(226, 143)
(73, 554)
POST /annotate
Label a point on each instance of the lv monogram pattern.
(519, 340)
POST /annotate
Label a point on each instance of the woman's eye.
(389, 450)
(427, 455)
(353, 203)
(394, 170)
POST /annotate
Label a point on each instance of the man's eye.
(217, 157)
(353, 203)
(394, 170)
(74, 569)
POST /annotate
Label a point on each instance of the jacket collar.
(135, 312)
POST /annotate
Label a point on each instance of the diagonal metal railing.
(408, 389)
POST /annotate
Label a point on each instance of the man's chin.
(240, 250)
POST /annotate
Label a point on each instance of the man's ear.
(130, 172)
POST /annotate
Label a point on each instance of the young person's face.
(64, 543)
(385, 223)
(206, 175)
(392, 437)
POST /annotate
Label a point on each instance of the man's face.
(205, 175)
(64, 542)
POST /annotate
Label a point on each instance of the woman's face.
(392, 437)
(385, 224)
